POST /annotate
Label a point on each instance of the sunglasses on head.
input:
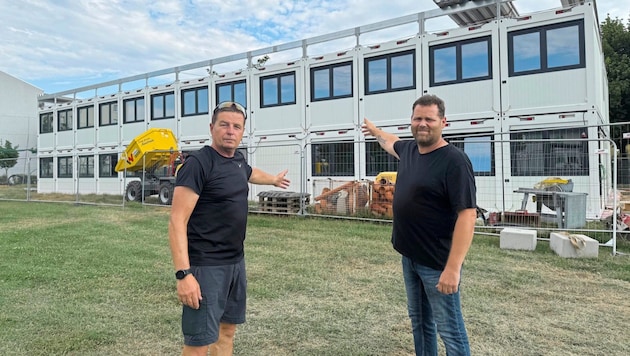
(230, 106)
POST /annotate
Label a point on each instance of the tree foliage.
(616, 46)
(8, 156)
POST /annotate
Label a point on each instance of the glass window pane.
(563, 47)
(114, 111)
(402, 71)
(342, 80)
(224, 93)
(130, 111)
(270, 91)
(90, 116)
(445, 64)
(104, 115)
(240, 94)
(527, 157)
(158, 106)
(140, 110)
(475, 60)
(377, 75)
(333, 159)
(189, 102)
(287, 85)
(202, 101)
(170, 105)
(526, 52)
(479, 151)
(321, 83)
(378, 160)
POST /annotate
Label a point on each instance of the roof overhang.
(477, 12)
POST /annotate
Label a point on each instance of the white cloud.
(65, 44)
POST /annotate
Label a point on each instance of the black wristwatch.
(182, 273)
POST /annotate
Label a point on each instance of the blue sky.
(66, 44)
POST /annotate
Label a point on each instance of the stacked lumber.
(346, 199)
(382, 198)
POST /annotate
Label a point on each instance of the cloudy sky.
(66, 44)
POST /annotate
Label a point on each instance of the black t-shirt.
(430, 190)
(216, 229)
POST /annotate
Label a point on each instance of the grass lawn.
(94, 280)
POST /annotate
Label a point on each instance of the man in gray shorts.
(207, 231)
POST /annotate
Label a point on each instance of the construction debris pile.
(357, 197)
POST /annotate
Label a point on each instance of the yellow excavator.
(153, 156)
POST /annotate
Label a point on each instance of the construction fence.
(548, 183)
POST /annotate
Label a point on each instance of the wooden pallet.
(281, 202)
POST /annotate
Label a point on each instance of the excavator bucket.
(152, 148)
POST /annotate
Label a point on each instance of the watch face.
(181, 274)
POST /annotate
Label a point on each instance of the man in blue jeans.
(434, 220)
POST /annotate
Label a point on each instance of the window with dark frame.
(108, 114)
(232, 91)
(333, 159)
(64, 167)
(133, 110)
(86, 166)
(278, 89)
(85, 117)
(195, 101)
(163, 106)
(64, 120)
(460, 62)
(390, 72)
(107, 164)
(46, 167)
(377, 160)
(546, 48)
(480, 151)
(45, 122)
(331, 82)
(561, 152)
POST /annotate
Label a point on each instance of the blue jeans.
(432, 312)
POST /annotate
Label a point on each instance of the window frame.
(67, 172)
(112, 165)
(89, 166)
(197, 92)
(331, 81)
(332, 164)
(164, 97)
(459, 62)
(49, 126)
(388, 72)
(65, 117)
(46, 167)
(86, 111)
(112, 108)
(388, 163)
(136, 101)
(544, 65)
(460, 142)
(550, 148)
(279, 97)
(233, 92)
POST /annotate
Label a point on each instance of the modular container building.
(505, 77)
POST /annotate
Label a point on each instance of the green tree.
(616, 46)
(8, 156)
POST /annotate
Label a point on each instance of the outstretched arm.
(384, 139)
(261, 177)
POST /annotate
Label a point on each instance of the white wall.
(18, 116)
